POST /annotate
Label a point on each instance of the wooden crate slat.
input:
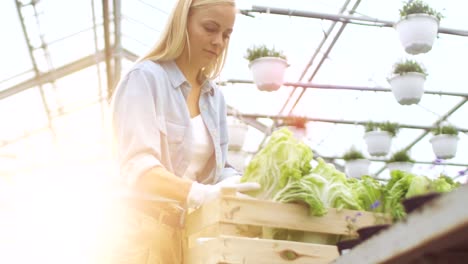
(203, 217)
(230, 226)
(228, 229)
(238, 210)
(228, 249)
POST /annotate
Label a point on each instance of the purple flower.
(375, 205)
(462, 172)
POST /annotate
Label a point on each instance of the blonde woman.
(169, 124)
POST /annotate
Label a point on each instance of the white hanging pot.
(237, 134)
(378, 142)
(444, 146)
(403, 166)
(417, 32)
(357, 168)
(268, 72)
(408, 88)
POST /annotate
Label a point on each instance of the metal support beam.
(252, 121)
(107, 47)
(316, 52)
(346, 87)
(117, 40)
(129, 55)
(416, 162)
(335, 121)
(60, 72)
(19, 5)
(341, 18)
(324, 39)
(324, 57)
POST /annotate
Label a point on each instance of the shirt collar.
(177, 78)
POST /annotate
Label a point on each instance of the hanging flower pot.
(444, 146)
(400, 161)
(378, 142)
(237, 132)
(356, 165)
(417, 32)
(357, 168)
(378, 137)
(407, 83)
(268, 68)
(418, 27)
(445, 142)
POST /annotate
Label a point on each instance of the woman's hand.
(201, 193)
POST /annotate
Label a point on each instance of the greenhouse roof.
(54, 89)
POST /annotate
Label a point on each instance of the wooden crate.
(228, 230)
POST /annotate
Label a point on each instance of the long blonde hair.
(174, 37)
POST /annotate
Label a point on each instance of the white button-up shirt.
(151, 123)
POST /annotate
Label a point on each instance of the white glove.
(201, 193)
(234, 182)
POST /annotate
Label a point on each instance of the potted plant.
(356, 164)
(379, 136)
(444, 142)
(417, 27)
(236, 135)
(407, 82)
(297, 125)
(400, 160)
(268, 67)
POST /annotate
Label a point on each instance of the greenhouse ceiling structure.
(62, 58)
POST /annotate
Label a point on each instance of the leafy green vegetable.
(395, 191)
(443, 184)
(369, 192)
(405, 185)
(419, 185)
(324, 187)
(283, 157)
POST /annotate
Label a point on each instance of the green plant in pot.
(378, 137)
(400, 160)
(445, 141)
(268, 67)
(356, 164)
(407, 82)
(261, 51)
(418, 26)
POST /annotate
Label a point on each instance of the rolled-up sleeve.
(136, 126)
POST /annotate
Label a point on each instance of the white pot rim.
(443, 136)
(271, 59)
(401, 162)
(408, 17)
(366, 161)
(377, 132)
(416, 74)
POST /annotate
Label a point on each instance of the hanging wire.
(154, 7)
